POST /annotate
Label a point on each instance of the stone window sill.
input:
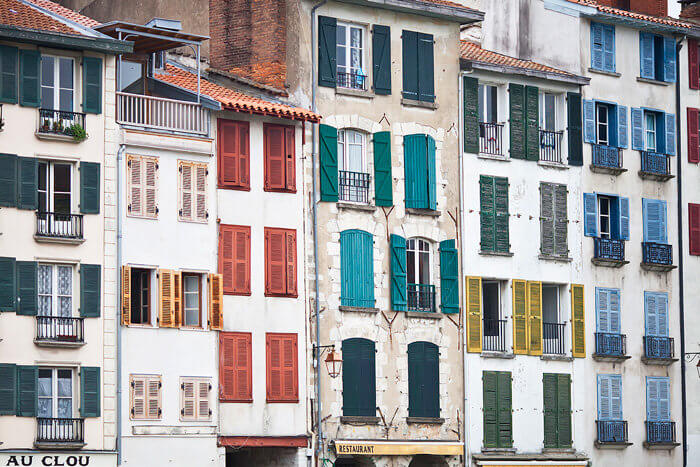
(423, 212)
(358, 309)
(414, 103)
(503, 355)
(356, 207)
(496, 253)
(494, 157)
(354, 93)
(426, 420)
(423, 315)
(603, 72)
(359, 420)
(653, 81)
(553, 165)
(557, 358)
(498, 450)
(561, 259)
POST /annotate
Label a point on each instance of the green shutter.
(449, 277)
(92, 85)
(8, 74)
(359, 382)
(564, 411)
(383, 186)
(356, 269)
(27, 181)
(27, 288)
(328, 139)
(490, 408)
(398, 273)
(549, 389)
(505, 410)
(327, 51)
(27, 380)
(90, 187)
(419, 179)
(8, 284)
(487, 213)
(423, 380)
(8, 389)
(381, 59)
(416, 377)
(502, 216)
(574, 128)
(90, 290)
(8, 180)
(470, 94)
(409, 43)
(532, 122)
(426, 68)
(89, 391)
(432, 173)
(518, 134)
(29, 72)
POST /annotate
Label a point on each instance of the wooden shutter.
(658, 400)
(8, 74)
(637, 123)
(188, 399)
(669, 60)
(145, 391)
(574, 130)
(134, 179)
(200, 192)
(166, 297)
(646, 55)
(501, 226)
(470, 103)
(518, 135)
(126, 295)
(90, 187)
(8, 180)
(624, 218)
(490, 408)
(694, 229)
(235, 367)
(578, 321)
(564, 429)
(487, 213)
(178, 310)
(275, 149)
(328, 158)
(505, 410)
(651, 321)
(327, 51)
(597, 46)
(670, 133)
(602, 307)
(609, 48)
(359, 381)
(280, 262)
(398, 273)
(532, 123)
(90, 290)
(449, 277)
(138, 397)
(27, 181)
(693, 137)
(474, 321)
(282, 373)
(203, 405)
(590, 214)
(416, 171)
(290, 163)
(8, 284)
(423, 380)
(90, 398)
(356, 269)
(622, 127)
(426, 68)
(693, 68)
(547, 219)
(150, 185)
(8, 389)
(92, 85)
(431, 169)
(291, 262)
(409, 51)
(498, 426)
(654, 220)
(27, 288)
(27, 382)
(29, 81)
(589, 125)
(233, 149)
(383, 183)
(534, 311)
(561, 221)
(549, 390)
(186, 211)
(216, 302)
(381, 59)
(234, 259)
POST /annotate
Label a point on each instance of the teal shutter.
(359, 383)
(92, 85)
(487, 213)
(423, 380)
(426, 68)
(8, 74)
(90, 187)
(383, 183)
(8, 389)
(449, 277)
(8, 180)
(505, 410)
(27, 380)
(8, 284)
(549, 390)
(29, 73)
(490, 408)
(27, 181)
(415, 148)
(532, 119)
(90, 290)
(327, 60)
(27, 292)
(328, 156)
(356, 269)
(89, 391)
(518, 134)
(409, 43)
(502, 230)
(398, 273)
(432, 173)
(470, 94)
(646, 55)
(669, 60)
(381, 59)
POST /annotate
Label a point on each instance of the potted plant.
(77, 131)
(46, 126)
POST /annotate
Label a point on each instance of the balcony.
(490, 138)
(658, 350)
(161, 114)
(608, 252)
(550, 146)
(553, 338)
(612, 434)
(60, 433)
(56, 331)
(657, 257)
(353, 187)
(655, 166)
(494, 335)
(606, 160)
(421, 298)
(59, 227)
(61, 125)
(352, 80)
(610, 347)
(660, 435)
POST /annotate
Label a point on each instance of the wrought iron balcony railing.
(655, 163)
(352, 80)
(610, 344)
(608, 249)
(608, 157)
(60, 329)
(353, 186)
(611, 431)
(60, 122)
(59, 225)
(490, 138)
(60, 430)
(658, 348)
(657, 254)
(494, 335)
(553, 338)
(661, 432)
(421, 297)
(551, 145)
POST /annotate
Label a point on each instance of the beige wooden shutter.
(126, 295)
(177, 299)
(216, 302)
(167, 308)
(153, 397)
(134, 186)
(186, 192)
(200, 192)
(203, 406)
(188, 399)
(150, 186)
(138, 397)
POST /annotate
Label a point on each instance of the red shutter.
(693, 139)
(274, 157)
(693, 68)
(235, 367)
(291, 262)
(694, 228)
(282, 367)
(290, 153)
(275, 261)
(234, 258)
(234, 154)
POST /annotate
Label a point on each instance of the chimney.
(249, 39)
(690, 10)
(647, 7)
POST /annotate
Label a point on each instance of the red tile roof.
(18, 14)
(66, 13)
(234, 100)
(448, 3)
(666, 21)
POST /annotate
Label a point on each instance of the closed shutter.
(8, 180)
(29, 73)
(138, 398)
(8, 74)
(398, 273)
(624, 218)
(200, 192)
(658, 399)
(549, 391)
(216, 302)
(487, 213)
(426, 68)
(670, 133)
(235, 367)
(578, 320)
(602, 306)
(327, 51)
(356, 269)
(150, 185)
(498, 426)
(90, 290)
(282, 383)
(8, 284)
(490, 408)
(474, 313)
(669, 59)
(637, 120)
(654, 220)
(92, 85)
(234, 259)
(534, 309)
(470, 93)
(280, 262)
(564, 429)
(597, 46)
(8, 389)
(186, 201)
(590, 214)
(518, 133)
(280, 168)
(646, 55)
(609, 48)
(233, 146)
(651, 322)
(502, 235)
(90, 187)
(381, 59)
(146, 397)
(693, 68)
(416, 171)
(383, 183)
(27, 382)
(423, 380)
(193, 191)
(693, 137)
(561, 221)
(328, 157)
(204, 411)
(409, 50)
(90, 391)
(614, 311)
(622, 127)
(134, 179)
(694, 228)
(664, 399)
(449, 277)
(547, 219)
(532, 123)
(359, 381)
(126, 295)
(604, 413)
(520, 317)
(166, 295)
(589, 126)
(574, 129)
(190, 399)
(291, 262)
(27, 288)
(27, 181)
(505, 410)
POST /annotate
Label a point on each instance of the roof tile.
(474, 52)
(21, 15)
(66, 13)
(666, 20)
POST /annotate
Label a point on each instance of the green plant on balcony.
(57, 126)
(46, 126)
(77, 131)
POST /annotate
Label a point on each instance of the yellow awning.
(398, 448)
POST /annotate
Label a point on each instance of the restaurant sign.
(45, 459)
(397, 448)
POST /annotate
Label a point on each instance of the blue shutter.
(432, 188)
(646, 55)
(356, 269)
(398, 273)
(589, 121)
(615, 305)
(651, 322)
(609, 48)
(449, 277)
(654, 211)
(612, 125)
(662, 314)
(615, 397)
(597, 44)
(637, 117)
(669, 60)
(604, 397)
(590, 215)
(624, 218)
(663, 237)
(602, 309)
(622, 126)
(652, 399)
(670, 130)
(664, 405)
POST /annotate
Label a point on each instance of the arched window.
(356, 269)
(359, 389)
(423, 380)
(421, 291)
(353, 173)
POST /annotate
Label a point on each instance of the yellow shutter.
(520, 317)
(534, 309)
(473, 291)
(167, 309)
(578, 321)
(177, 298)
(216, 302)
(126, 295)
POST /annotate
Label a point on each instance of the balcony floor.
(653, 267)
(610, 358)
(655, 176)
(601, 169)
(612, 444)
(659, 361)
(660, 446)
(609, 263)
(59, 445)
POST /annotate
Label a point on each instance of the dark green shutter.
(398, 273)
(426, 68)
(470, 94)
(27, 181)
(383, 184)
(502, 216)
(8, 389)
(90, 187)
(549, 389)
(423, 380)
(90, 290)
(490, 408)
(449, 277)
(8, 180)
(359, 382)
(532, 122)
(564, 411)
(27, 380)
(327, 51)
(29, 73)
(8, 74)
(574, 128)
(89, 391)
(505, 410)
(328, 140)
(27, 292)
(487, 213)
(409, 43)
(381, 59)
(518, 134)
(8, 284)
(92, 85)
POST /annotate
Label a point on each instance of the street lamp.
(333, 362)
(690, 356)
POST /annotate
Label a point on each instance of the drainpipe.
(120, 157)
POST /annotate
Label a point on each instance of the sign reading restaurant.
(397, 448)
(37, 459)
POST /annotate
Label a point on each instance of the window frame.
(608, 216)
(48, 193)
(364, 49)
(345, 158)
(54, 295)
(197, 395)
(200, 299)
(148, 273)
(147, 380)
(499, 308)
(56, 87)
(650, 132)
(488, 102)
(602, 109)
(54, 397)
(419, 258)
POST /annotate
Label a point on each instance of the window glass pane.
(65, 408)
(44, 407)
(424, 265)
(61, 178)
(340, 34)
(356, 37)
(491, 306)
(47, 71)
(65, 383)
(410, 265)
(482, 107)
(45, 273)
(44, 382)
(66, 73)
(549, 108)
(355, 59)
(66, 102)
(61, 204)
(65, 280)
(191, 288)
(493, 104)
(131, 74)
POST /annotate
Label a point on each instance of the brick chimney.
(249, 39)
(690, 10)
(647, 7)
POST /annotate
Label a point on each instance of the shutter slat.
(126, 295)
(383, 183)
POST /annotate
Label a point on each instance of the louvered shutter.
(490, 408)
(290, 159)
(8, 284)
(188, 400)
(178, 311)
(280, 262)
(409, 50)
(291, 262)
(487, 213)
(662, 313)
(359, 381)
(235, 367)
(415, 171)
(8, 74)
(615, 397)
(532, 123)
(234, 259)
(564, 429)
(470, 104)
(166, 317)
(575, 128)
(138, 397)
(590, 214)
(27, 288)
(520, 317)
(604, 412)
(609, 48)
(449, 277)
(474, 313)
(518, 133)
(670, 133)
(327, 51)
(589, 127)
(90, 290)
(383, 183)
(534, 311)
(27, 382)
(8, 389)
(505, 410)
(134, 188)
(92, 85)
(651, 321)
(549, 391)
(426, 68)
(216, 302)
(658, 400)
(27, 181)
(646, 55)
(29, 75)
(282, 368)
(150, 184)
(200, 192)
(693, 68)
(126, 295)
(664, 405)
(637, 119)
(274, 158)
(669, 60)
(423, 380)
(145, 397)
(578, 320)
(622, 127)
(356, 269)
(203, 404)
(8, 180)
(328, 158)
(597, 46)
(398, 272)
(381, 59)
(624, 218)
(502, 231)
(654, 220)
(233, 148)
(561, 221)
(603, 309)
(90, 187)
(693, 137)
(90, 399)
(186, 191)
(431, 173)
(694, 228)
(153, 397)
(614, 311)
(547, 219)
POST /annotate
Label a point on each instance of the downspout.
(120, 156)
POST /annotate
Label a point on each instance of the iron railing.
(655, 163)
(495, 335)
(490, 138)
(59, 329)
(607, 156)
(59, 225)
(353, 186)
(661, 432)
(162, 114)
(421, 297)
(607, 248)
(657, 253)
(60, 430)
(553, 338)
(550, 146)
(59, 122)
(610, 344)
(611, 431)
(658, 347)
(352, 80)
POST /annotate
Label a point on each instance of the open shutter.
(470, 93)
(693, 137)
(426, 68)
(275, 262)
(166, 317)
(578, 321)
(518, 134)
(534, 310)
(409, 50)
(27, 381)
(432, 175)
(274, 157)
(505, 410)
(474, 321)
(234, 154)
(669, 59)
(693, 68)
(27, 180)
(90, 391)
(622, 126)
(90, 290)
(637, 118)
(487, 213)
(532, 122)
(670, 133)
(694, 228)
(549, 391)
(290, 164)
(561, 221)
(449, 277)
(328, 157)
(564, 434)
(520, 317)
(92, 85)
(646, 55)
(29, 73)
(590, 215)
(589, 121)
(383, 184)
(8, 389)
(547, 219)
(602, 306)
(609, 48)
(597, 46)
(216, 302)
(624, 218)
(327, 51)
(8, 180)
(381, 59)
(90, 187)
(126, 295)
(27, 288)
(502, 231)
(398, 273)
(574, 129)
(8, 74)
(490, 408)
(8, 284)
(291, 262)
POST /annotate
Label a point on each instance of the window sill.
(494, 157)
(54, 137)
(236, 401)
(66, 241)
(557, 358)
(356, 207)
(658, 267)
(279, 401)
(423, 212)
(498, 450)
(599, 169)
(192, 221)
(610, 358)
(278, 295)
(553, 165)
(147, 218)
(426, 420)
(59, 445)
(603, 72)
(354, 93)
(279, 190)
(59, 344)
(560, 259)
(358, 309)
(612, 444)
(558, 450)
(359, 420)
(660, 446)
(609, 263)
(495, 253)
(238, 294)
(232, 187)
(654, 176)
(659, 361)
(423, 314)
(494, 354)
(414, 103)
(653, 81)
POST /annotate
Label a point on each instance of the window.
(548, 111)
(494, 327)
(131, 74)
(658, 399)
(55, 290)
(418, 66)
(280, 158)
(420, 171)
(282, 367)
(359, 380)
(694, 228)
(610, 397)
(145, 394)
(650, 131)
(141, 296)
(603, 47)
(193, 191)
(656, 314)
(233, 146)
(654, 213)
(605, 124)
(350, 56)
(602, 124)
(353, 174)
(235, 367)
(54, 182)
(488, 103)
(142, 185)
(497, 403)
(356, 269)
(423, 380)
(653, 131)
(657, 57)
(557, 410)
(607, 306)
(55, 394)
(554, 223)
(234, 258)
(57, 83)
(494, 214)
(490, 131)
(192, 299)
(421, 291)
(553, 324)
(606, 216)
(693, 135)
(280, 262)
(194, 399)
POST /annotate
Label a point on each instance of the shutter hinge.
(209, 412)
(132, 412)
(157, 210)
(179, 169)
(207, 214)
(160, 384)
(180, 212)
(182, 411)
(132, 384)
(160, 411)
(157, 166)
(128, 163)
(182, 386)
(128, 207)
